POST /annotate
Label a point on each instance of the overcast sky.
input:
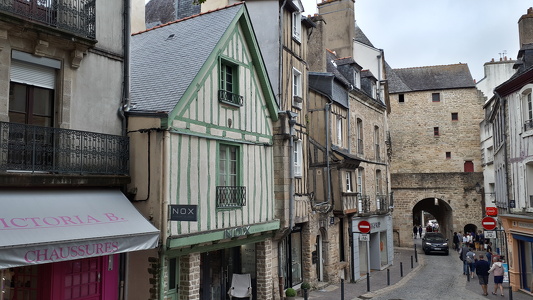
(415, 33)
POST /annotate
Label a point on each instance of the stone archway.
(469, 228)
(439, 209)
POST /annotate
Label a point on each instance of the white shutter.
(32, 74)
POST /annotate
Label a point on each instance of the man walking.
(463, 252)
(415, 231)
(420, 230)
(482, 271)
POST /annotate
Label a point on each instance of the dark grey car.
(435, 242)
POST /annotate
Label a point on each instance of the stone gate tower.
(436, 161)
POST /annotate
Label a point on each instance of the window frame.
(236, 98)
(401, 98)
(297, 88)
(231, 193)
(435, 97)
(298, 158)
(349, 182)
(528, 111)
(436, 131)
(455, 116)
(297, 26)
(339, 131)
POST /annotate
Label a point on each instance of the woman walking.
(497, 268)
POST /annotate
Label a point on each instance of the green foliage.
(290, 292)
(306, 286)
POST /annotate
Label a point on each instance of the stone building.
(436, 163)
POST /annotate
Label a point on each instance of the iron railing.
(382, 205)
(63, 151)
(363, 204)
(230, 98)
(75, 16)
(231, 196)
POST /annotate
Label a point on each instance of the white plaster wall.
(495, 74)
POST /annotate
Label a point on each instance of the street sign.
(364, 237)
(364, 226)
(491, 211)
(183, 212)
(489, 234)
(488, 223)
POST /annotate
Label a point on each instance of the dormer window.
(357, 79)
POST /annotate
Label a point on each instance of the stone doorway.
(439, 209)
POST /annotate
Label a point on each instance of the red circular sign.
(491, 211)
(364, 226)
(488, 223)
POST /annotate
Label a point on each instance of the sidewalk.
(378, 279)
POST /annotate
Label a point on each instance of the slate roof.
(167, 58)
(361, 37)
(429, 78)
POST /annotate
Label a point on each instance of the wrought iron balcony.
(382, 205)
(230, 98)
(63, 151)
(74, 16)
(231, 196)
(363, 204)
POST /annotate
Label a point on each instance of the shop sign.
(236, 232)
(183, 212)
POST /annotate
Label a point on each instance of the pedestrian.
(471, 261)
(455, 241)
(462, 256)
(415, 231)
(482, 271)
(489, 258)
(497, 268)
(420, 230)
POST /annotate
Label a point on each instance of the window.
(297, 88)
(296, 25)
(455, 116)
(172, 273)
(401, 98)
(229, 193)
(229, 87)
(528, 124)
(374, 90)
(349, 184)
(31, 105)
(360, 174)
(448, 155)
(378, 182)
(436, 131)
(298, 158)
(360, 136)
(435, 97)
(469, 166)
(376, 143)
(339, 130)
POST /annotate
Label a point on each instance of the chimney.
(525, 28)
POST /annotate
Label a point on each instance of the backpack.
(469, 258)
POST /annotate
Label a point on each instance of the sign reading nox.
(183, 212)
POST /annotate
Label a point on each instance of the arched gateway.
(449, 197)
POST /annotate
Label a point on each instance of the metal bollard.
(401, 269)
(411, 261)
(388, 277)
(368, 282)
(342, 289)
(416, 255)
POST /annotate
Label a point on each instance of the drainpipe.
(164, 205)
(292, 122)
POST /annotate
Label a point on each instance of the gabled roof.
(430, 78)
(167, 59)
(361, 37)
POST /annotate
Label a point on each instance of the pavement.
(399, 273)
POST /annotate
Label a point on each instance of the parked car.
(435, 242)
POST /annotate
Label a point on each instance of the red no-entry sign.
(364, 226)
(488, 223)
(491, 211)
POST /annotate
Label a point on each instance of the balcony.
(348, 203)
(36, 149)
(231, 196)
(382, 204)
(74, 16)
(363, 204)
(230, 98)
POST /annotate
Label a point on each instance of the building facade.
(202, 125)
(70, 229)
(436, 162)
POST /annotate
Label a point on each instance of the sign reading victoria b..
(183, 212)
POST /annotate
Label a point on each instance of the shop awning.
(44, 226)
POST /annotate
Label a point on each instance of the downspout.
(292, 122)
(124, 106)
(125, 103)
(164, 206)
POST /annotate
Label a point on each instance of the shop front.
(67, 244)
(519, 229)
(375, 250)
